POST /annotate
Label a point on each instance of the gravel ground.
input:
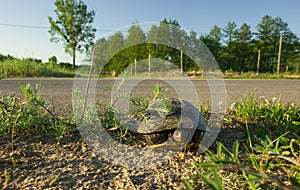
(41, 163)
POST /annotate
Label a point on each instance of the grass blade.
(215, 184)
(235, 150)
(187, 185)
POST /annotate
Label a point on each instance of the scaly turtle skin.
(172, 123)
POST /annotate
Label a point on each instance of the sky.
(111, 15)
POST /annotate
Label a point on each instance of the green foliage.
(3, 75)
(267, 36)
(138, 106)
(73, 26)
(117, 52)
(257, 169)
(53, 59)
(111, 123)
(213, 41)
(30, 114)
(233, 47)
(156, 90)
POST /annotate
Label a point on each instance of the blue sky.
(197, 15)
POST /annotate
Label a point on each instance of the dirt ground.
(39, 162)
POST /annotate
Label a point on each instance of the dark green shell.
(171, 120)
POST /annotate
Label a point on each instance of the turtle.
(171, 123)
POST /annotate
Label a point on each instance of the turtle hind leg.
(191, 147)
(173, 146)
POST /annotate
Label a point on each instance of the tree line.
(234, 48)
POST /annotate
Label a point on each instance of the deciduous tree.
(73, 26)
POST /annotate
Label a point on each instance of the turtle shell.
(171, 120)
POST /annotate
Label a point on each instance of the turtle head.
(180, 135)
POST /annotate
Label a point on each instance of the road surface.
(59, 91)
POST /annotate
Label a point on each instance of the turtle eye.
(177, 136)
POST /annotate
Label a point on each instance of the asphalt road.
(59, 91)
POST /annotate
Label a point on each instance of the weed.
(140, 104)
(30, 113)
(111, 123)
(156, 90)
(204, 110)
(270, 114)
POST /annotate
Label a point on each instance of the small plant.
(30, 114)
(140, 104)
(111, 123)
(204, 110)
(156, 91)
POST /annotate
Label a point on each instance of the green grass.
(270, 158)
(29, 68)
(253, 75)
(269, 164)
(272, 114)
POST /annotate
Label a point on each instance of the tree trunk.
(74, 58)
